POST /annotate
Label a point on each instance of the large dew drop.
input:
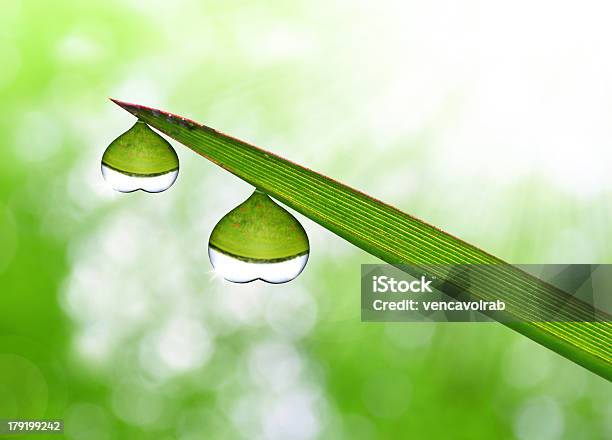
(140, 159)
(258, 240)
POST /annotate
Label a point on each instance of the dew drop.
(140, 159)
(258, 240)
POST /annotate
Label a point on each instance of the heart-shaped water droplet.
(258, 240)
(140, 159)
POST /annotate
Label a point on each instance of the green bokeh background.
(490, 120)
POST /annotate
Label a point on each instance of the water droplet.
(140, 159)
(258, 240)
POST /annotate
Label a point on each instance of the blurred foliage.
(109, 315)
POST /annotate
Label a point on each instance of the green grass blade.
(397, 237)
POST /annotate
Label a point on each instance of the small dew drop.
(258, 240)
(140, 159)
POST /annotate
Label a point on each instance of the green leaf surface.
(399, 238)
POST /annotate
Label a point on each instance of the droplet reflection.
(140, 159)
(129, 183)
(258, 240)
